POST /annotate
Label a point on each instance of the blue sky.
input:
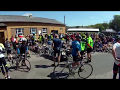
(73, 18)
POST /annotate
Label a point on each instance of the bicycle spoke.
(85, 71)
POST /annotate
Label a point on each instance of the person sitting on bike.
(23, 49)
(3, 62)
(76, 49)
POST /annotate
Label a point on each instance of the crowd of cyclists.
(79, 43)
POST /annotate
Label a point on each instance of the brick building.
(26, 25)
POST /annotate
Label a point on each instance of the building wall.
(11, 28)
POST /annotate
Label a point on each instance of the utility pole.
(65, 25)
(64, 19)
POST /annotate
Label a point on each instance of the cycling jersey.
(83, 44)
(23, 49)
(90, 42)
(2, 45)
(57, 43)
(40, 38)
(75, 47)
(1, 49)
(51, 37)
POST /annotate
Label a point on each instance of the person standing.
(56, 47)
(116, 56)
(83, 47)
(89, 47)
(8, 48)
(76, 49)
(3, 62)
(40, 39)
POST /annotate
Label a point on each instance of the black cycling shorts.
(116, 68)
(57, 52)
(82, 53)
(89, 50)
(2, 61)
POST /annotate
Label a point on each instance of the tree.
(115, 23)
(101, 26)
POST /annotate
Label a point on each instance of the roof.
(15, 18)
(83, 29)
(110, 31)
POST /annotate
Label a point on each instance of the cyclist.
(89, 47)
(83, 46)
(56, 47)
(76, 48)
(116, 55)
(8, 48)
(41, 39)
(33, 40)
(3, 62)
(51, 36)
(23, 48)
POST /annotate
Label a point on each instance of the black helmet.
(117, 37)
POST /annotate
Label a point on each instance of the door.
(2, 37)
(54, 31)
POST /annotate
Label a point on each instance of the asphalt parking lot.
(41, 68)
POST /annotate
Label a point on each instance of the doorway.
(2, 37)
(54, 31)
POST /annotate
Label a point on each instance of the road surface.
(41, 68)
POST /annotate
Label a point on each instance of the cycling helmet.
(117, 37)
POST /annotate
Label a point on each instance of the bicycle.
(11, 60)
(63, 71)
(44, 50)
(23, 63)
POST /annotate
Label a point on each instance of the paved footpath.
(41, 68)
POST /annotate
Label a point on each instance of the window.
(33, 30)
(19, 31)
(61, 29)
(44, 30)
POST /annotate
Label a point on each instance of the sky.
(72, 18)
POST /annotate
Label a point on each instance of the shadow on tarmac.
(58, 75)
(42, 66)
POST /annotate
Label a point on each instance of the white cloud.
(27, 14)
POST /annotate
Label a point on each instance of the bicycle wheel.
(61, 71)
(85, 71)
(26, 66)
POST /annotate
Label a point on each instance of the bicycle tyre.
(82, 71)
(26, 67)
